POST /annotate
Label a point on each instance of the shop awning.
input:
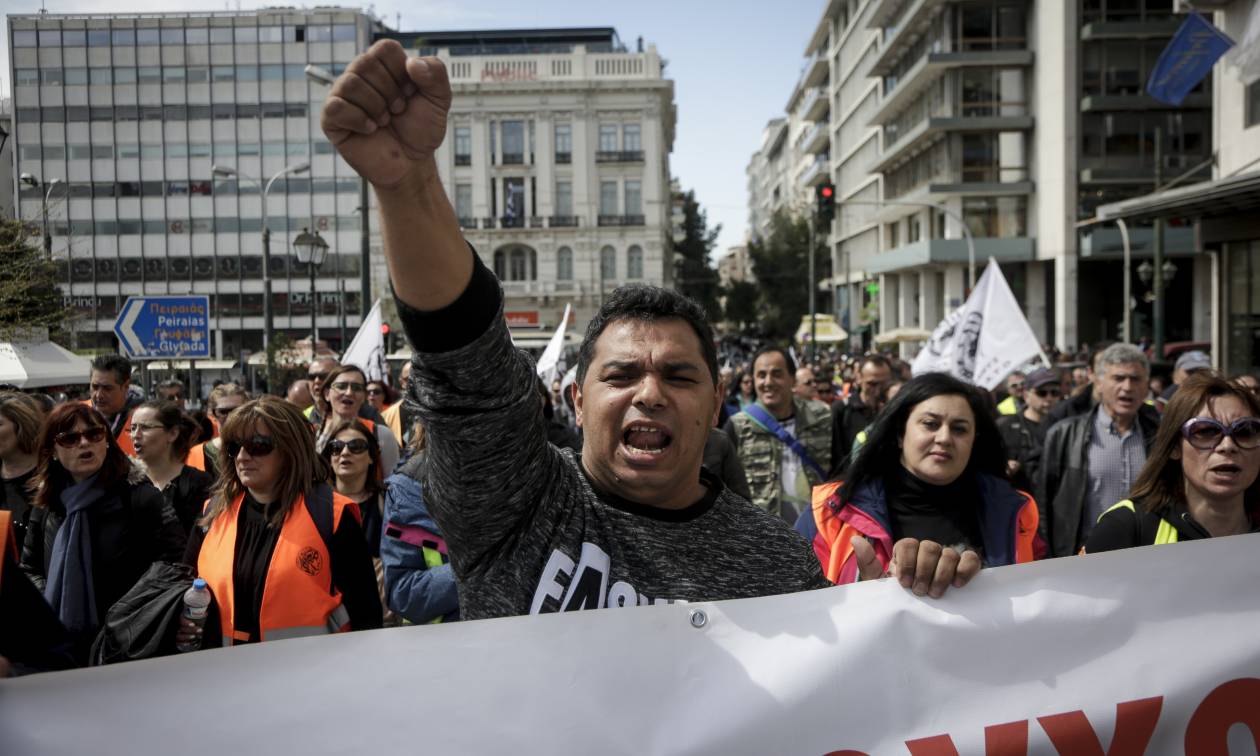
(1206, 199)
(34, 364)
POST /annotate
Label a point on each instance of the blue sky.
(733, 64)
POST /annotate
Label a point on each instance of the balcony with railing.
(621, 220)
(814, 140)
(579, 65)
(564, 158)
(619, 156)
(563, 221)
(513, 158)
(463, 160)
(814, 170)
(814, 104)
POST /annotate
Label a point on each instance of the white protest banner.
(1144, 651)
(549, 362)
(985, 339)
(367, 349)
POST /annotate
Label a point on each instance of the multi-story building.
(769, 181)
(1220, 213)
(7, 208)
(735, 266)
(125, 119)
(1011, 120)
(557, 163)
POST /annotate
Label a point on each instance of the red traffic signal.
(827, 191)
(384, 329)
(825, 195)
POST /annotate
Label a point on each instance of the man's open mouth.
(651, 439)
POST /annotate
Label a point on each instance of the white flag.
(367, 350)
(549, 362)
(985, 339)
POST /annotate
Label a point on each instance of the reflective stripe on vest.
(298, 599)
(1165, 533)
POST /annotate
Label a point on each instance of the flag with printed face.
(367, 350)
(549, 362)
(1189, 57)
(985, 339)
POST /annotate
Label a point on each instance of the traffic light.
(825, 194)
(385, 338)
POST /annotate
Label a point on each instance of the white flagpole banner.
(549, 362)
(985, 339)
(1144, 651)
(367, 349)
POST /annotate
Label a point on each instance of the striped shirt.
(1115, 459)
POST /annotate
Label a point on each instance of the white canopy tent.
(34, 364)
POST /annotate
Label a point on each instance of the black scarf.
(948, 515)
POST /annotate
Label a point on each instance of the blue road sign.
(165, 327)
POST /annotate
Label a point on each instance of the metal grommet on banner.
(698, 618)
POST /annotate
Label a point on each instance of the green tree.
(741, 304)
(782, 271)
(695, 275)
(29, 297)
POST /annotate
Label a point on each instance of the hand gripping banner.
(1145, 651)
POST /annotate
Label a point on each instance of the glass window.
(631, 139)
(98, 38)
(124, 76)
(54, 114)
(148, 36)
(463, 200)
(607, 263)
(172, 36)
(77, 113)
(634, 198)
(245, 34)
(128, 150)
(51, 76)
(513, 141)
(26, 77)
(634, 262)
(173, 74)
(246, 110)
(1251, 116)
(564, 139)
(149, 74)
(270, 34)
(607, 137)
(564, 264)
(102, 151)
(197, 74)
(101, 113)
(101, 75)
(74, 38)
(463, 141)
(564, 198)
(124, 36)
(295, 72)
(343, 33)
(247, 73)
(176, 150)
(220, 34)
(50, 38)
(197, 35)
(25, 39)
(272, 73)
(150, 150)
(608, 198)
(223, 73)
(272, 109)
(319, 33)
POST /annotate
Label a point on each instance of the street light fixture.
(311, 249)
(268, 315)
(33, 182)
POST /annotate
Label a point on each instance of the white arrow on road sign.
(127, 330)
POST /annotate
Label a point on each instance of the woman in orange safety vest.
(284, 556)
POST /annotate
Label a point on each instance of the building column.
(907, 307)
(1035, 296)
(544, 163)
(930, 312)
(481, 167)
(888, 312)
(955, 287)
(1199, 266)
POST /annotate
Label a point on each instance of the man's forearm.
(429, 262)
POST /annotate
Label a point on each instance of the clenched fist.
(386, 114)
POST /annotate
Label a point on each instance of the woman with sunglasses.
(162, 435)
(380, 395)
(223, 399)
(1200, 480)
(345, 391)
(354, 455)
(97, 524)
(283, 554)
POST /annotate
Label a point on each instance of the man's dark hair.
(878, 360)
(114, 363)
(172, 383)
(1095, 352)
(647, 304)
(771, 349)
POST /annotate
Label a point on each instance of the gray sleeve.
(489, 463)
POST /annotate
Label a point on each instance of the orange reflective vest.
(298, 596)
(197, 457)
(1008, 523)
(8, 544)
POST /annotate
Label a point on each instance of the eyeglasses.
(1015, 386)
(257, 446)
(145, 427)
(223, 412)
(317, 376)
(1206, 433)
(356, 446)
(375, 392)
(1047, 393)
(70, 439)
(346, 387)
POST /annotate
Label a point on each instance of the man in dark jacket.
(1091, 461)
(851, 417)
(1024, 433)
(1084, 400)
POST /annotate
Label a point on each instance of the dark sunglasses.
(70, 439)
(223, 412)
(1205, 433)
(356, 446)
(317, 376)
(257, 446)
(375, 391)
(1046, 393)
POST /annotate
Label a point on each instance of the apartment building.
(1006, 121)
(557, 164)
(147, 140)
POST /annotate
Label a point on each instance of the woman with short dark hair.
(1202, 478)
(97, 524)
(162, 434)
(20, 418)
(933, 469)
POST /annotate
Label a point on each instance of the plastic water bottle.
(196, 604)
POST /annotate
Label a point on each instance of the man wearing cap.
(1024, 433)
(1189, 362)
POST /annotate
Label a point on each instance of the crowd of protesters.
(665, 466)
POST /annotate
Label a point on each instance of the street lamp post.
(311, 250)
(268, 314)
(33, 182)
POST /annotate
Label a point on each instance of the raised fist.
(387, 112)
